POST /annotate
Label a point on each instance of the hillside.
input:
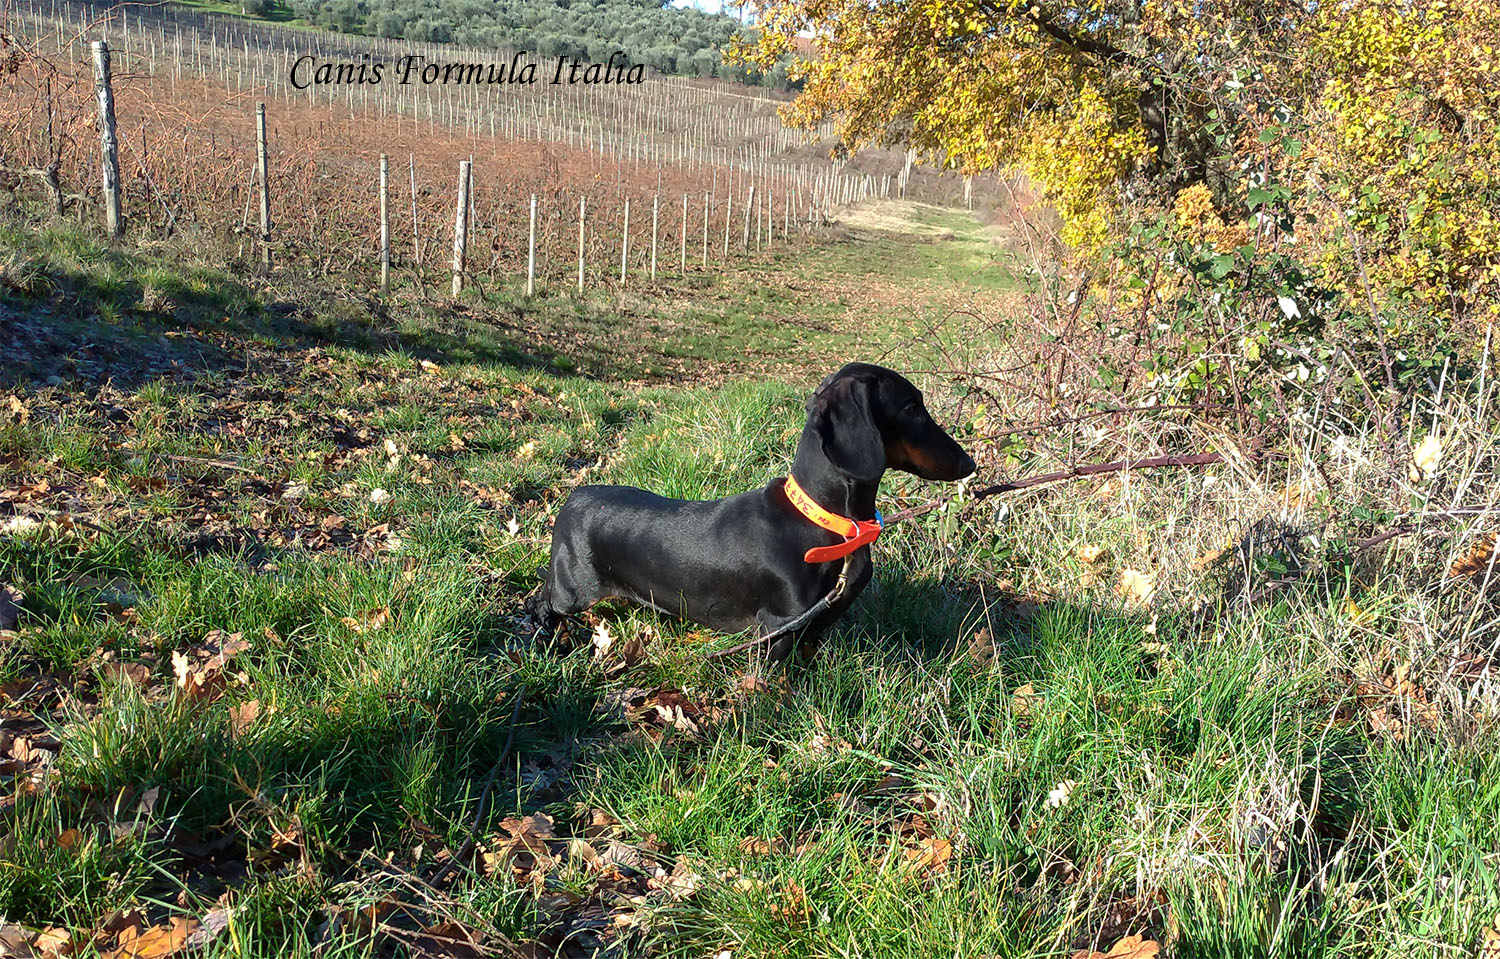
(669, 39)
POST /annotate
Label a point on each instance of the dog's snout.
(960, 464)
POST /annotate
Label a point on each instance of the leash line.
(472, 841)
(821, 606)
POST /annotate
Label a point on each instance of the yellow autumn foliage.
(1376, 119)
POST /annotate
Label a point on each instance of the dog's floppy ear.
(812, 401)
(840, 413)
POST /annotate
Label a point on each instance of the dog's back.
(620, 542)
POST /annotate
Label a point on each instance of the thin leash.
(970, 499)
(821, 606)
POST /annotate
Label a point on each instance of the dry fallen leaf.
(1292, 496)
(1023, 699)
(52, 942)
(599, 823)
(1089, 553)
(242, 717)
(528, 841)
(1425, 458)
(1130, 947)
(931, 855)
(368, 621)
(133, 674)
(199, 672)
(1490, 948)
(449, 940)
(681, 883)
(1059, 797)
(1207, 559)
(1476, 560)
(156, 942)
(602, 641)
(15, 939)
(790, 904)
(1357, 614)
(1109, 488)
(755, 846)
(982, 648)
(1135, 586)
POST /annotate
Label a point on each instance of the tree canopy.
(1085, 96)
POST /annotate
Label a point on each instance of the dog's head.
(870, 419)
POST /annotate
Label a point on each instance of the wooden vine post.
(749, 208)
(655, 218)
(263, 175)
(416, 234)
(531, 252)
(461, 227)
(684, 233)
(625, 242)
(728, 218)
(770, 219)
(109, 141)
(581, 207)
(385, 224)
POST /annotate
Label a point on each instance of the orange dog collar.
(856, 532)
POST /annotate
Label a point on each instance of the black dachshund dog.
(767, 558)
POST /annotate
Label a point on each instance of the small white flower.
(512, 527)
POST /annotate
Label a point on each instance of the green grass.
(212, 464)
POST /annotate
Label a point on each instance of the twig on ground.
(1090, 469)
(204, 461)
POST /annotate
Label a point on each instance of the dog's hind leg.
(539, 608)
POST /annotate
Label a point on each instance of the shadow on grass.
(926, 689)
(80, 311)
